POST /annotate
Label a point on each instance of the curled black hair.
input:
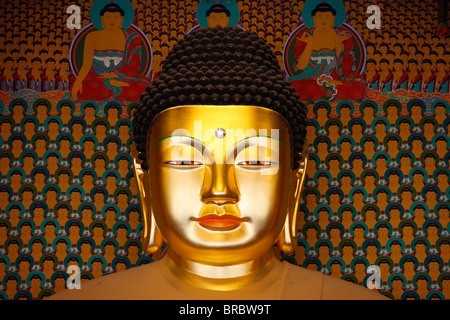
(323, 7)
(218, 8)
(220, 66)
(112, 7)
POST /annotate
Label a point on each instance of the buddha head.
(219, 151)
(323, 16)
(218, 15)
(112, 17)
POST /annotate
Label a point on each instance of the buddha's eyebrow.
(261, 136)
(180, 135)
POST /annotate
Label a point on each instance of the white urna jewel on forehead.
(220, 133)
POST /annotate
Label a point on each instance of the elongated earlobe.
(152, 239)
(288, 237)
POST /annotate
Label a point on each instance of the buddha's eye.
(184, 163)
(255, 163)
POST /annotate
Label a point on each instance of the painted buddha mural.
(324, 58)
(110, 57)
(220, 157)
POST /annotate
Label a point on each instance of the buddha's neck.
(220, 278)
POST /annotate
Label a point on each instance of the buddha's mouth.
(224, 222)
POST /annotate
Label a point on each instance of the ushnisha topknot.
(220, 66)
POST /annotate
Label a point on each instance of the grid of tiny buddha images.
(377, 190)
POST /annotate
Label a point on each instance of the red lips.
(222, 221)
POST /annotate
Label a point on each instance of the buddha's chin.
(220, 253)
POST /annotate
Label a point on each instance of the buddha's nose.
(220, 185)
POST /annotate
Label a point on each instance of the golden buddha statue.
(220, 159)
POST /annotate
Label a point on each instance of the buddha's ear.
(288, 237)
(152, 239)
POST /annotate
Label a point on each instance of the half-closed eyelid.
(256, 163)
(184, 163)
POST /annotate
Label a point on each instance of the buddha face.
(14, 213)
(429, 161)
(63, 212)
(27, 195)
(89, 111)
(41, 143)
(86, 213)
(218, 19)
(112, 146)
(322, 181)
(346, 180)
(74, 230)
(100, 129)
(335, 198)
(88, 179)
(111, 180)
(418, 178)
(445, 248)
(346, 146)
(110, 249)
(335, 233)
(99, 163)
(66, 110)
(334, 164)
(358, 197)
(111, 21)
(428, 127)
(392, 110)
(122, 232)
(347, 215)
(324, 20)
(77, 128)
(392, 145)
(345, 112)
(65, 144)
(133, 250)
(41, 109)
(75, 195)
(322, 112)
(333, 129)
(85, 248)
(432, 231)
(323, 215)
(97, 231)
(28, 161)
(219, 196)
(311, 233)
(36, 247)
(417, 144)
(440, 110)
(89, 146)
(416, 110)
(113, 113)
(99, 197)
(419, 213)
(48, 264)
(61, 246)
(406, 195)
(64, 178)
(5, 127)
(53, 126)
(110, 215)
(25, 230)
(443, 212)
(441, 144)
(29, 126)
